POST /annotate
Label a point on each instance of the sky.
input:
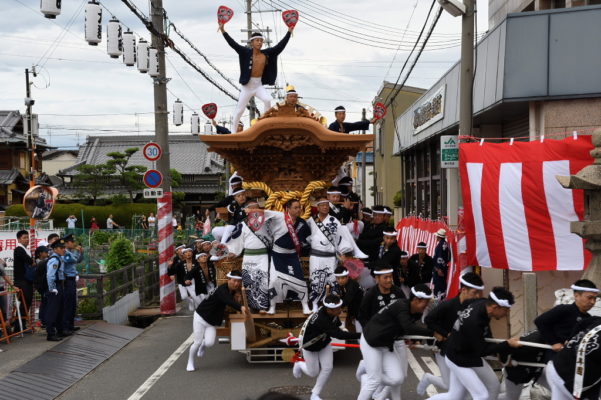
(339, 54)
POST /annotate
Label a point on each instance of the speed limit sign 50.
(152, 151)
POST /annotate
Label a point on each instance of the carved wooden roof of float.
(287, 152)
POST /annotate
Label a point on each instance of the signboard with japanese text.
(449, 151)
(430, 111)
(8, 242)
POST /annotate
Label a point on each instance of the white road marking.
(146, 386)
(418, 371)
(431, 364)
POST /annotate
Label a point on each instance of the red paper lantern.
(210, 110)
(224, 14)
(290, 18)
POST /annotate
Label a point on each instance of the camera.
(29, 101)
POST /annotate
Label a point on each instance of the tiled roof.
(11, 129)
(9, 176)
(189, 156)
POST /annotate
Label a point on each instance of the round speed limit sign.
(152, 151)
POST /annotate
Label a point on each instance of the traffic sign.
(153, 193)
(152, 151)
(153, 178)
(449, 151)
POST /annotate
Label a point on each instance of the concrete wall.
(51, 167)
(498, 10)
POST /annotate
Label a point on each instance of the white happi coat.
(255, 267)
(323, 261)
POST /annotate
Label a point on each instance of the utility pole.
(363, 166)
(161, 126)
(30, 139)
(467, 69)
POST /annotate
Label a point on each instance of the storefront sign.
(449, 151)
(429, 112)
(8, 243)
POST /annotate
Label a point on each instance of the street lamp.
(453, 7)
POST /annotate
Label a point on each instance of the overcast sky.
(327, 69)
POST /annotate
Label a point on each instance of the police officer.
(73, 256)
(56, 277)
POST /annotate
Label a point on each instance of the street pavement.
(222, 374)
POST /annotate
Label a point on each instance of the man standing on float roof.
(346, 127)
(257, 68)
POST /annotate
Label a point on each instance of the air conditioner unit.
(453, 7)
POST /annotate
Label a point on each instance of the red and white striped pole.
(164, 215)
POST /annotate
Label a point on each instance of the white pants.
(481, 383)
(382, 367)
(513, 391)
(394, 391)
(253, 88)
(320, 364)
(558, 389)
(189, 293)
(442, 381)
(204, 335)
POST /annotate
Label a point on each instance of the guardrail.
(105, 289)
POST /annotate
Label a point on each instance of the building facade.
(15, 157)
(56, 160)
(388, 168)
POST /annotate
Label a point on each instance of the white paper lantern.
(129, 48)
(142, 56)
(153, 62)
(208, 128)
(178, 112)
(195, 124)
(114, 43)
(50, 8)
(93, 23)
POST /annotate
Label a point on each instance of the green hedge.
(122, 214)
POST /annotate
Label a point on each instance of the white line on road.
(418, 371)
(431, 364)
(145, 387)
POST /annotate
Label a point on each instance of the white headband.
(345, 273)
(501, 302)
(383, 271)
(346, 184)
(466, 283)
(405, 255)
(584, 289)
(186, 249)
(421, 246)
(238, 191)
(379, 212)
(334, 192)
(421, 295)
(199, 241)
(201, 254)
(229, 275)
(332, 305)
(387, 212)
(180, 247)
(322, 201)
(390, 233)
(367, 213)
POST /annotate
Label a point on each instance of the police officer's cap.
(69, 238)
(58, 243)
(40, 250)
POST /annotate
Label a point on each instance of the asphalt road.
(222, 374)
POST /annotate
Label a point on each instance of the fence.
(100, 290)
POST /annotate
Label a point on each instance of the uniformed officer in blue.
(56, 278)
(73, 256)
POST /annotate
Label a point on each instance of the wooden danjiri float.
(285, 154)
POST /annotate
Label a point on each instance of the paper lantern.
(129, 48)
(195, 124)
(178, 112)
(93, 23)
(153, 62)
(50, 8)
(208, 128)
(114, 39)
(142, 56)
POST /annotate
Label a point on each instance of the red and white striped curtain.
(517, 215)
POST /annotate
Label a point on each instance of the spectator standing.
(442, 256)
(71, 222)
(144, 222)
(24, 273)
(420, 266)
(110, 223)
(94, 225)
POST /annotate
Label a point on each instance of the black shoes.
(65, 333)
(54, 338)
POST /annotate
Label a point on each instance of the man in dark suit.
(390, 254)
(420, 266)
(23, 275)
(258, 67)
(370, 239)
(346, 127)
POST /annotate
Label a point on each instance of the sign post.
(449, 152)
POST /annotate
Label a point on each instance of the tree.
(91, 180)
(130, 176)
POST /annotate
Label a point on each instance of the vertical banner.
(165, 228)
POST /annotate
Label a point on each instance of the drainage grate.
(292, 390)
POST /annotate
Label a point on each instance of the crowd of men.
(395, 302)
(50, 270)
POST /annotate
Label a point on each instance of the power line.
(402, 37)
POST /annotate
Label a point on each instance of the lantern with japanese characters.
(142, 56)
(129, 48)
(178, 112)
(195, 124)
(93, 23)
(50, 8)
(153, 62)
(114, 44)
